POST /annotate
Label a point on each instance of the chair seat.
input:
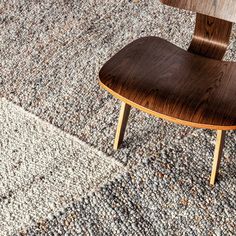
(164, 80)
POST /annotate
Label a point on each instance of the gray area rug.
(156, 184)
(43, 169)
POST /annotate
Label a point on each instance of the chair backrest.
(213, 25)
(222, 9)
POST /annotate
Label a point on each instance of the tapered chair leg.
(218, 154)
(122, 122)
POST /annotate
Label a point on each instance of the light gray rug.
(156, 184)
(43, 169)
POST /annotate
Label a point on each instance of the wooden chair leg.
(218, 154)
(122, 122)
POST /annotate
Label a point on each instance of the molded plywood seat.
(169, 82)
(191, 87)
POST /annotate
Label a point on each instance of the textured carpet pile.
(58, 172)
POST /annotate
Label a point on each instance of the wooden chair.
(193, 87)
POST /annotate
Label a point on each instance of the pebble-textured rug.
(43, 169)
(156, 184)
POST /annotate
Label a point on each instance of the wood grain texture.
(222, 9)
(168, 82)
(211, 37)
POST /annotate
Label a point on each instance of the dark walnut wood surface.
(159, 78)
(211, 37)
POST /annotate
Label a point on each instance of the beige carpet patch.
(42, 169)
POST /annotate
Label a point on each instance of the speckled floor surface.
(157, 184)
